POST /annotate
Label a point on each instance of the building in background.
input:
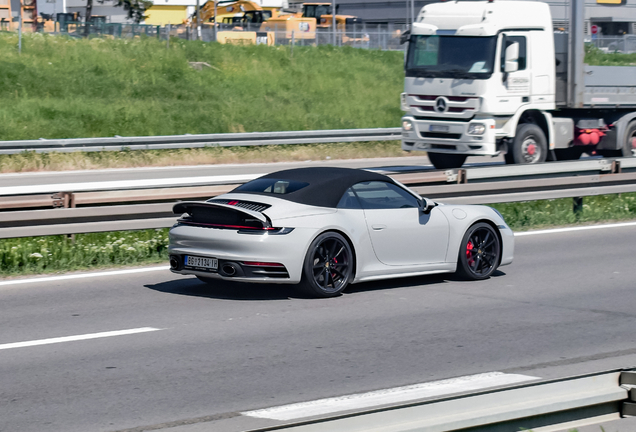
(162, 12)
(612, 17)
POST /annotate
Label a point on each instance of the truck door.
(515, 89)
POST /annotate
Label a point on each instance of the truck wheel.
(446, 161)
(529, 145)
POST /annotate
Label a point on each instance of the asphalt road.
(565, 306)
(83, 176)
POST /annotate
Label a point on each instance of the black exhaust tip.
(175, 262)
(228, 269)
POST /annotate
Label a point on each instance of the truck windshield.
(463, 57)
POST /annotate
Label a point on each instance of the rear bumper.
(233, 249)
(442, 136)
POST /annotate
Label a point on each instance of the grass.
(596, 57)
(61, 87)
(37, 255)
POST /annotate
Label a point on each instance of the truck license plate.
(438, 128)
(202, 262)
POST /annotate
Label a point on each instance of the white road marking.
(129, 184)
(76, 338)
(570, 229)
(83, 275)
(389, 396)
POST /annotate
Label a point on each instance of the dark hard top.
(326, 184)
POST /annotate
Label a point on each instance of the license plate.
(438, 128)
(201, 262)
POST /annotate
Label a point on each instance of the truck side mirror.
(511, 58)
(404, 37)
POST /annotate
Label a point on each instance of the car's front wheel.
(479, 252)
(328, 266)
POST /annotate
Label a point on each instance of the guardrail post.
(628, 378)
(63, 200)
(577, 206)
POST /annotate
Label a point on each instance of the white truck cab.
(481, 79)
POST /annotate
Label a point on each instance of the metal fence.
(367, 36)
(625, 44)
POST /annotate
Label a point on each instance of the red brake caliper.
(333, 274)
(469, 252)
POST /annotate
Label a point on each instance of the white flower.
(35, 255)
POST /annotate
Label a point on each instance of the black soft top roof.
(326, 184)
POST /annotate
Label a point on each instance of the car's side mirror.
(426, 205)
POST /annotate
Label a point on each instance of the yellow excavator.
(275, 27)
(345, 24)
(252, 12)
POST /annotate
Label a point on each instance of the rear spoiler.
(190, 206)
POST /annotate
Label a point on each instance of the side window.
(382, 195)
(349, 201)
(522, 50)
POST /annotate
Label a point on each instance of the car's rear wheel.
(328, 266)
(479, 252)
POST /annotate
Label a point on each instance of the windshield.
(438, 56)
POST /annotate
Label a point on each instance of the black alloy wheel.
(328, 266)
(479, 253)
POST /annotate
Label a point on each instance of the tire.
(571, 153)
(529, 145)
(328, 266)
(479, 252)
(629, 146)
(446, 161)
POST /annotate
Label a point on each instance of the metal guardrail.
(568, 402)
(118, 143)
(139, 204)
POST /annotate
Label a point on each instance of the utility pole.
(215, 20)
(333, 21)
(412, 12)
(198, 21)
(20, 29)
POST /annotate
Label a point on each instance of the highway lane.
(566, 306)
(83, 176)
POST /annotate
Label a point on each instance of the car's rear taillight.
(268, 231)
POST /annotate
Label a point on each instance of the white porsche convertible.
(324, 228)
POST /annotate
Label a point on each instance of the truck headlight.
(407, 126)
(476, 129)
(403, 103)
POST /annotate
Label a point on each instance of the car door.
(401, 234)
(515, 89)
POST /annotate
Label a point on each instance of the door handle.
(378, 227)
